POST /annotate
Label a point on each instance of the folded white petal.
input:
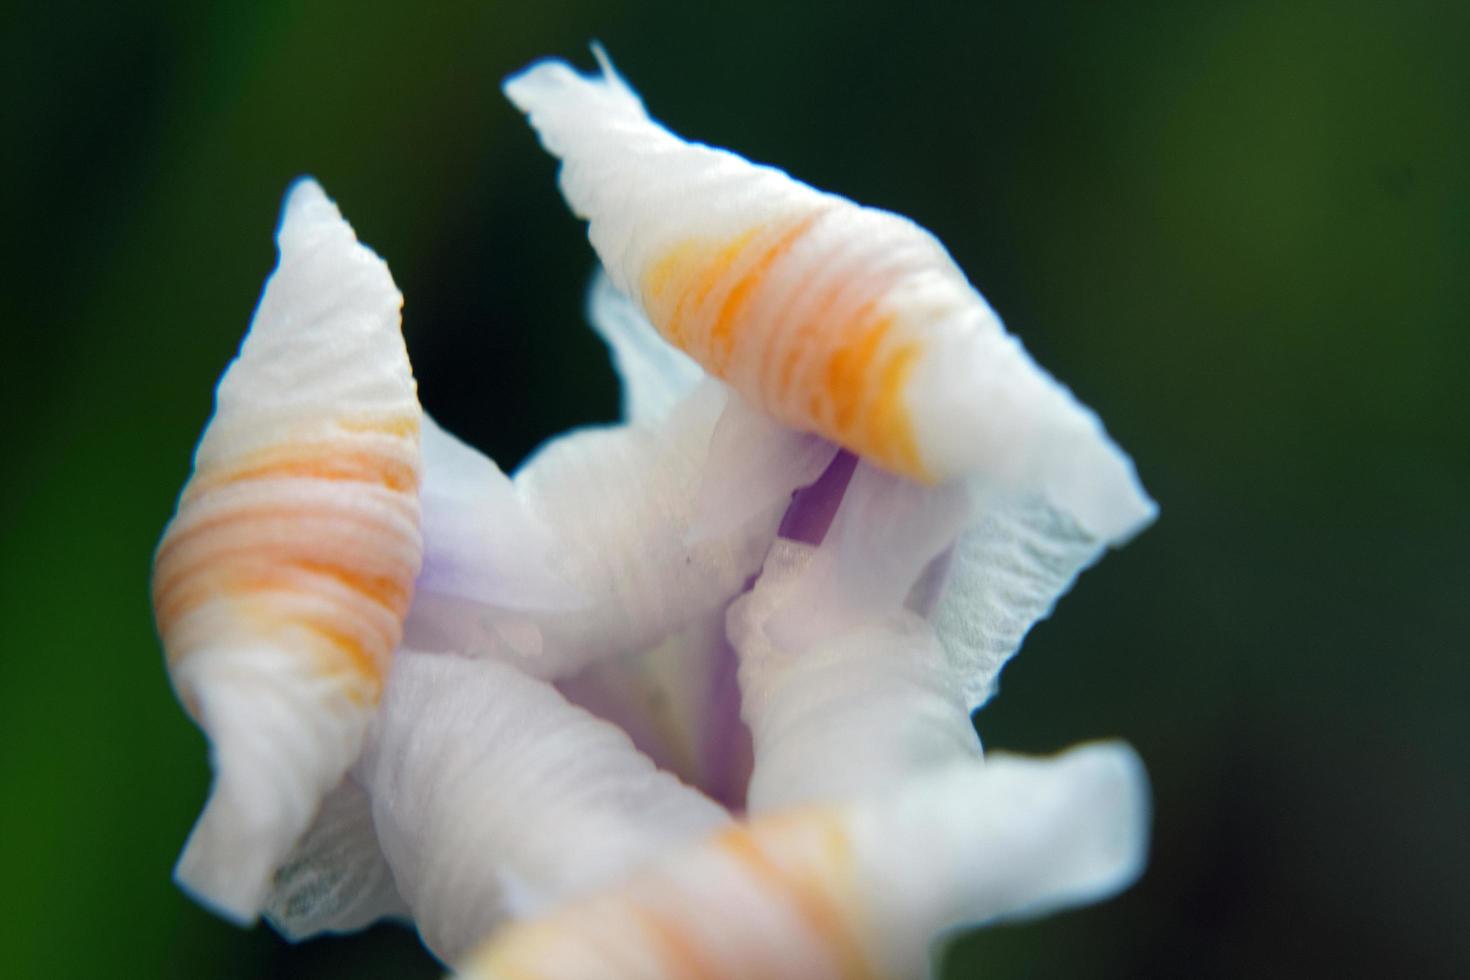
(324, 350)
(680, 703)
(623, 501)
(655, 376)
(281, 584)
(1002, 576)
(835, 319)
(983, 569)
(281, 735)
(1013, 837)
(480, 541)
(854, 715)
(995, 417)
(857, 890)
(754, 464)
(493, 796)
(336, 879)
(886, 531)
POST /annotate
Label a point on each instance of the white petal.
(623, 500)
(851, 716)
(754, 464)
(858, 890)
(281, 735)
(655, 375)
(1004, 574)
(336, 879)
(1014, 837)
(324, 350)
(890, 545)
(480, 541)
(835, 319)
(493, 796)
(281, 584)
(885, 533)
(992, 415)
(680, 703)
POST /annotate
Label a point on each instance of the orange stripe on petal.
(304, 543)
(679, 951)
(806, 879)
(840, 374)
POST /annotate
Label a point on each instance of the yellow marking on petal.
(229, 560)
(729, 322)
(335, 581)
(511, 953)
(848, 370)
(390, 461)
(699, 294)
(678, 950)
(804, 881)
(405, 426)
(680, 282)
(889, 429)
(309, 462)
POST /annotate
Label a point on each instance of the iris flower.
(685, 696)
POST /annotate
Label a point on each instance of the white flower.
(688, 695)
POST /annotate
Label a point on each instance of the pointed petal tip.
(304, 190)
(1083, 474)
(306, 200)
(610, 73)
(604, 62)
(1114, 507)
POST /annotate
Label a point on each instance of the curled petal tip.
(1124, 805)
(1103, 847)
(281, 734)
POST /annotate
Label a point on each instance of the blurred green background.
(1241, 231)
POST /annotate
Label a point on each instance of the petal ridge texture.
(846, 321)
(281, 584)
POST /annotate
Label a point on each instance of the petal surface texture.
(624, 501)
(1003, 575)
(851, 716)
(836, 319)
(655, 376)
(858, 890)
(680, 703)
(494, 797)
(281, 584)
(480, 541)
(336, 879)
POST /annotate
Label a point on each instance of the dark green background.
(1240, 231)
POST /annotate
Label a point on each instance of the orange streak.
(855, 392)
(220, 558)
(805, 891)
(171, 569)
(680, 282)
(728, 321)
(362, 645)
(337, 466)
(890, 431)
(848, 369)
(679, 951)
